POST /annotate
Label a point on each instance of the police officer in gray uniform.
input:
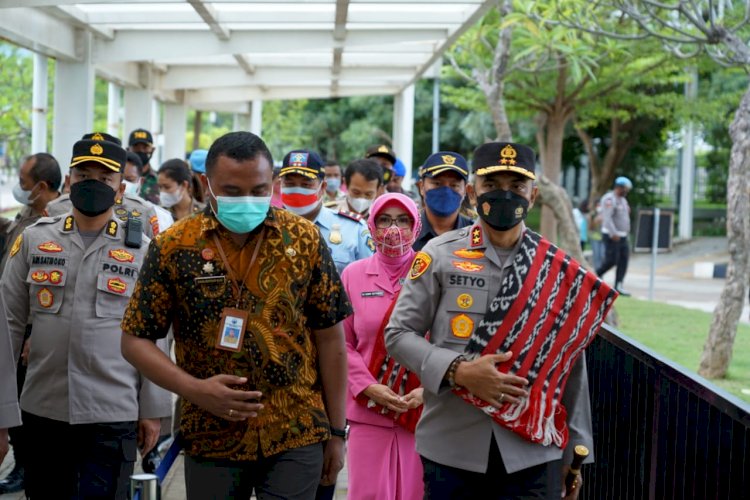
(453, 280)
(615, 229)
(302, 191)
(70, 277)
(126, 204)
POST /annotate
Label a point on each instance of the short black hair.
(46, 169)
(238, 146)
(136, 161)
(177, 170)
(369, 169)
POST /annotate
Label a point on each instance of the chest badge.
(39, 276)
(45, 298)
(55, 277)
(469, 267)
(464, 301)
(50, 247)
(207, 254)
(462, 326)
(208, 267)
(465, 253)
(335, 236)
(116, 285)
(121, 255)
(420, 265)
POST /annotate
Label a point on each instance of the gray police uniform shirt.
(346, 235)
(615, 214)
(453, 286)
(75, 297)
(127, 205)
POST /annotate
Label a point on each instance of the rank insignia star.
(476, 237)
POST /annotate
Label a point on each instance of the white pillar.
(139, 111)
(175, 130)
(113, 110)
(687, 174)
(256, 117)
(403, 129)
(74, 101)
(39, 106)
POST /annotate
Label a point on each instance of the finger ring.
(502, 396)
(231, 412)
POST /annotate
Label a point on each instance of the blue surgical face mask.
(442, 201)
(22, 196)
(333, 184)
(240, 214)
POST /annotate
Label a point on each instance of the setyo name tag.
(231, 329)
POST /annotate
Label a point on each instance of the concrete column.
(74, 101)
(175, 130)
(39, 106)
(687, 174)
(256, 117)
(139, 111)
(403, 129)
(113, 110)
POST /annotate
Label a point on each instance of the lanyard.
(236, 286)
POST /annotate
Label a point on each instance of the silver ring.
(231, 412)
(502, 396)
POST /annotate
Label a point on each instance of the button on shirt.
(292, 289)
(74, 297)
(348, 239)
(449, 300)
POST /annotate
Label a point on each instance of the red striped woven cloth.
(547, 311)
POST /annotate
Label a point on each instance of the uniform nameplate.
(377, 293)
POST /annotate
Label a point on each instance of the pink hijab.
(396, 267)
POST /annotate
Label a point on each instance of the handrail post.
(145, 487)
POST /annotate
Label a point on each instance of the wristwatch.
(342, 433)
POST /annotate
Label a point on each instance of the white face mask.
(132, 188)
(359, 205)
(168, 200)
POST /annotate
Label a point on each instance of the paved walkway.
(674, 284)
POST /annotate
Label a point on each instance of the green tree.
(16, 82)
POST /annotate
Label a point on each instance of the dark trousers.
(293, 474)
(449, 483)
(616, 253)
(80, 462)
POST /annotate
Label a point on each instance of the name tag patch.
(377, 293)
(466, 280)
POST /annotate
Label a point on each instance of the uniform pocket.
(465, 308)
(112, 295)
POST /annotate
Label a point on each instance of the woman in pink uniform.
(385, 400)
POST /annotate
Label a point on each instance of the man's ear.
(534, 193)
(472, 194)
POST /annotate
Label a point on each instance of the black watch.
(341, 433)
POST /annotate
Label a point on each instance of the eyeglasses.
(384, 221)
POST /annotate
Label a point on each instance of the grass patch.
(679, 334)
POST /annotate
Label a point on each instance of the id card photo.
(231, 334)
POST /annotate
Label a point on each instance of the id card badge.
(231, 329)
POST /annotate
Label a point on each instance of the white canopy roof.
(213, 54)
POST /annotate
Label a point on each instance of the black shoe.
(13, 482)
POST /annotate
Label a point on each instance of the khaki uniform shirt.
(449, 299)
(10, 413)
(74, 297)
(127, 205)
(615, 215)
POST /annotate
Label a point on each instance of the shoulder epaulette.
(46, 220)
(350, 215)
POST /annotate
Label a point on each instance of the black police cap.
(444, 161)
(303, 162)
(504, 157)
(382, 150)
(140, 135)
(102, 136)
(105, 153)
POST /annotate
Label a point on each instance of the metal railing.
(661, 431)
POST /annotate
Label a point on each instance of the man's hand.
(333, 460)
(414, 398)
(148, 433)
(216, 396)
(573, 493)
(25, 351)
(483, 380)
(614, 237)
(4, 447)
(384, 396)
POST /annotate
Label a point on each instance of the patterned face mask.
(393, 241)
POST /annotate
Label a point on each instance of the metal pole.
(436, 115)
(113, 109)
(144, 487)
(39, 106)
(654, 252)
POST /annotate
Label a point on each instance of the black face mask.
(92, 197)
(145, 157)
(502, 210)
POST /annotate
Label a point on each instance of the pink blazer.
(370, 293)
